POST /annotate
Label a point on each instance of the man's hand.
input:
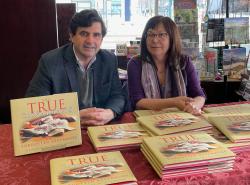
(96, 116)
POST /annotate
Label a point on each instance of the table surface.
(33, 169)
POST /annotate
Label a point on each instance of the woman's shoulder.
(135, 61)
(186, 61)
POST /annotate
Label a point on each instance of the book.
(236, 127)
(139, 113)
(234, 62)
(236, 30)
(244, 107)
(227, 110)
(185, 4)
(174, 122)
(117, 136)
(239, 6)
(235, 147)
(215, 30)
(121, 49)
(95, 169)
(45, 123)
(211, 58)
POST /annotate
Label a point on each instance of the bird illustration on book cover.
(47, 126)
(240, 126)
(122, 134)
(174, 122)
(188, 147)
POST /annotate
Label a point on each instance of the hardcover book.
(185, 4)
(215, 30)
(234, 62)
(228, 109)
(235, 147)
(211, 58)
(236, 128)
(236, 30)
(95, 169)
(139, 113)
(108, 137)
(239, 6)
(45, 123)
(170, 123)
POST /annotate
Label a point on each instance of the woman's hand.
(181, 102)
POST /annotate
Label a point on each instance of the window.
(125, 19)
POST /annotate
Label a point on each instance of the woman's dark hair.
(174, 52)
(86, 18)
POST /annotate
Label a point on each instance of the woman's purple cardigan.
(135, 88)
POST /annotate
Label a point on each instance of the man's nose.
(90, 38)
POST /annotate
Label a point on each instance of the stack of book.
(236, 128)
(94, 169)
(170, 123)
(118, 136)
(186, 154)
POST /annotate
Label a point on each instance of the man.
(83, 67)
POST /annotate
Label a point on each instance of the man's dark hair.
(86, 18)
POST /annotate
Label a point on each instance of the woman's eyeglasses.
(152, 35)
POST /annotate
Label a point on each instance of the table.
(34, 169)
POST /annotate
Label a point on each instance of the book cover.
(116, 136)
(169, 123)
(234, 62)
(121, 50)
(236, 30)
(235, 147)
(239, 6)
(236, 128)
(176, 150)
(228, 109)
(211, 58)
(95, 169)
(139, 113)
(215, 30)
(45, 123)
(185, 4)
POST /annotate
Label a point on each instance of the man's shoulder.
(55, 53)
(103, 53)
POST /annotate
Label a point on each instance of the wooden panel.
(28, 29)
(65, 11)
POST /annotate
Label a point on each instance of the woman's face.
(157, 41)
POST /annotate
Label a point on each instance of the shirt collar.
(79, 63)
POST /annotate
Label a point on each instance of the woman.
(161, 76)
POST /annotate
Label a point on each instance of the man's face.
(87, 41)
